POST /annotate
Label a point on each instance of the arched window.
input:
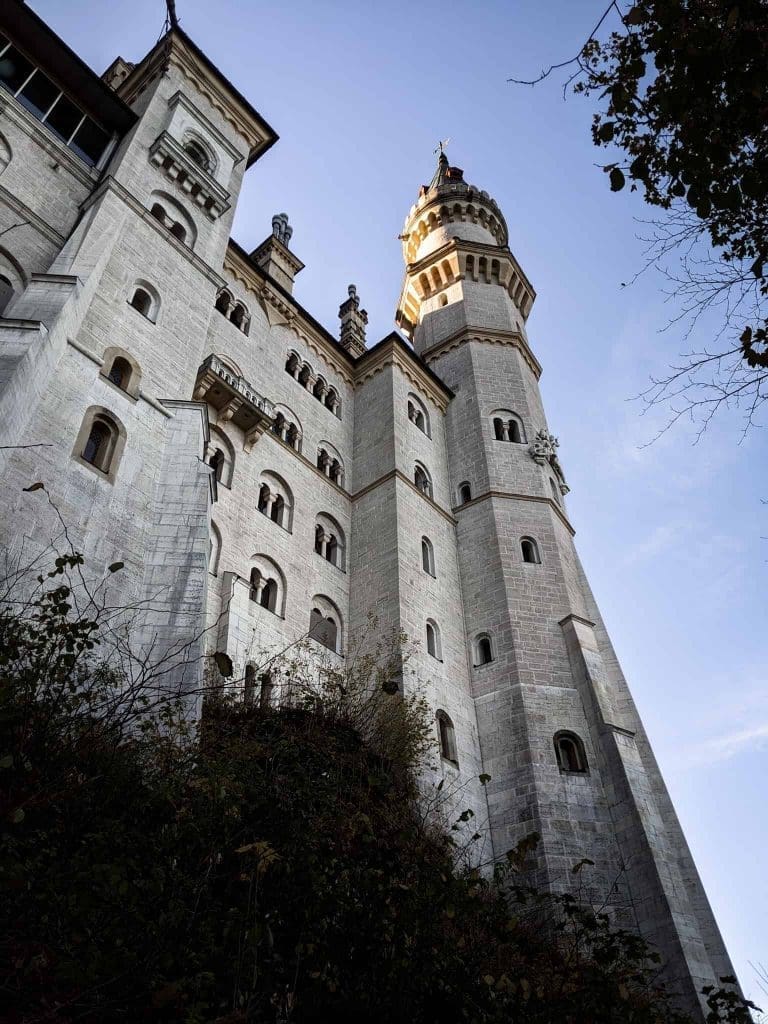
(329, 540)
(275, 500)
(141, 301)
(465, 493)
(239, 317)
(507, 426)
(570, 753)
(433, 640)
(418, 415)
(96, 450)
(329, 462)
(427, 556)
(483, 650)
(174, 217)
(555, 491)
(6, 292)
(331, 401)
(197, 154)
(530, 550)
(292, 364)
(145, 300)
(217, 462)
(120, 372)
(325, 623)
(447, 737)
(286, 427)
(422, 480)
(100, 441)
(223, 301)
(264, 590)
(121, 369)
(319, 388)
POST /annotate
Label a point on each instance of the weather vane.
(441, 146)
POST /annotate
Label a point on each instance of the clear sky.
(670, 534)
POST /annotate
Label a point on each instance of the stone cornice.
(512, 496)
(396, 474)
(488, 337)
(269, 294)
(179, 51)
(393, 352)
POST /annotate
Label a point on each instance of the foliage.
(270, 866)
(683, 95)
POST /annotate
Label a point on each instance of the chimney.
(275, 258)
(353, 324)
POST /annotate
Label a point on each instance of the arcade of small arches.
(313, 382)
(329, 540)
(418, 415)
(173, 217)
(458, 212)
(507, 426)
(329, 462)
(233, 310)
(287, 430)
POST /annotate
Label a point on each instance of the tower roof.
(444, 175)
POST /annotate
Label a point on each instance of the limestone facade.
(260, 478)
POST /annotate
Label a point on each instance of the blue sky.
(670, 534)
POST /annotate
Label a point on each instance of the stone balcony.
(234, 399)
(200, 187)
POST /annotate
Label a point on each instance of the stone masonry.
(264, 481)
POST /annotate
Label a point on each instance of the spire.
(353, 323)
(274, 256)
(444, 174)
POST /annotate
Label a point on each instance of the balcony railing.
(234, 399)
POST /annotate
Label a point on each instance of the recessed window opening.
(465, 493)
(570, 753)
(433, 640)
(508, 427)
(142, 301)
(217, 462)
(324, 626)
(120, 372)
(179, 231)
(417, 414)
(158, 212)
(263, 590)
(223, 301)
(422, 481)
(530, 550)
(97, 446)
(483, 650)
(427, 556)
(447, 737)
(197, 154)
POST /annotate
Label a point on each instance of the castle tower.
(557, 728)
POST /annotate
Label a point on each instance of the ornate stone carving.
(281, 229)
(543, 450)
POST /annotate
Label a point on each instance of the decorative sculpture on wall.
(543, 450)
(281, 229)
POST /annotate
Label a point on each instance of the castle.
(260, 477)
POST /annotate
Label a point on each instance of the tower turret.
(455, 239)
(557, 729)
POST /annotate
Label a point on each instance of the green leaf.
(7, 761)
(605, 132)
(17, 816)
(617, 180)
